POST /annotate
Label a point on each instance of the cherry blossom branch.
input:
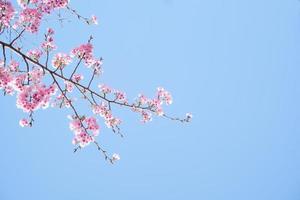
(34, 93)
(85, 87)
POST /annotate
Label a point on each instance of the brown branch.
(18, 36)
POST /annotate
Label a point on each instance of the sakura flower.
(112, 122)
(104, 112)
(6, 12)
(50, 31)
(105, 89)
(34, 97)
(30, 18)
(100, 109)
(48, 5)
(77, 77)
(36, 75)
(69, 86)
(92, 125)
(85, 52)
(96, 65)
(48, 44)
(142, 99)
(146, 117)
(115, 157)
(93, 20)
(82, 139)
(35, 54)
(5, 78)
(80, 128)
(120, 96)
(61, 60)
(18, 81)
(159, 111)
(164, 95)
(61, 101)
(24, 123)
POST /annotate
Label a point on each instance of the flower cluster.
(60, 60)
(81, 128)
(116, 157)
(30, 18)
(34, 97)
(35, 54)
(6, 13)
(24, 122)
(48, 44)
(85, 52)
(36, 75)
(93, 20)
(77, 77)
(13, 66)
(154, 105)
(5, 80)
(69, 86)
(164, 96)
(106, 114)
(48, 5)
(120, 96)
(105, 89)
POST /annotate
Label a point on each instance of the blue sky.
(233, 64)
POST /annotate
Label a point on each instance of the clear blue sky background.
(233, 64)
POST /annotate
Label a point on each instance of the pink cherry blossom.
(80, 128)
(82, 139)
(60, 60)
(120, 96)
(92, 125)
(18, 82)
(96, 65)
(94, 20)
(48, 44)
(116, 157)
(36, 75)
(85, 52)
(141, 100)
(24, 123)
(6, 13)
(146, 117)
(77, 77)
(5, 78)
(31, 19)
(105, 89)
(164, 96)
(35, 54)
(69, 86)
(106, 114)
(34, 97)
(48, 5)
